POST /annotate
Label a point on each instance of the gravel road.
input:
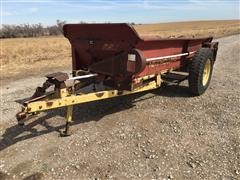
(161, 134)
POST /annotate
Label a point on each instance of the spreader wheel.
(201, 71)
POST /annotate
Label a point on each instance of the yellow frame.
(64, 99)
(83, 98)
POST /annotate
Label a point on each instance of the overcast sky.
(138, 11)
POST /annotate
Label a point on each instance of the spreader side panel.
(92, 43)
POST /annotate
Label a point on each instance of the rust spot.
(49, 103)
(99, 94)
(40, 107)
(120, 93)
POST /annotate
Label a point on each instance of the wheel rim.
(206, 72)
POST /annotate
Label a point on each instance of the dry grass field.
(29, 56)
(190, 29)
(25, 56)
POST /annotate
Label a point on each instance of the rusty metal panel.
(92, 43)
(105, 48)
(155, 69)
(164, 47)
(59, 76)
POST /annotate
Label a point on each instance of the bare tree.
(33, 30)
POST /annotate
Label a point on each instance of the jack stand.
(66, 132)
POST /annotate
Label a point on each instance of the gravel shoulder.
(161, 134)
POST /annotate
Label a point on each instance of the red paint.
(94, 43)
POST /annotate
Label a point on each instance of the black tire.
(202, 57)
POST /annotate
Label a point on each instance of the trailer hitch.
(42, 100)
(21, 117)
(24, 116)
(57, 79)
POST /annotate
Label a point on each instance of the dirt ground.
(161, 134)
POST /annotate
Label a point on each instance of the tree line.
(34, 30)
(31, 30)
